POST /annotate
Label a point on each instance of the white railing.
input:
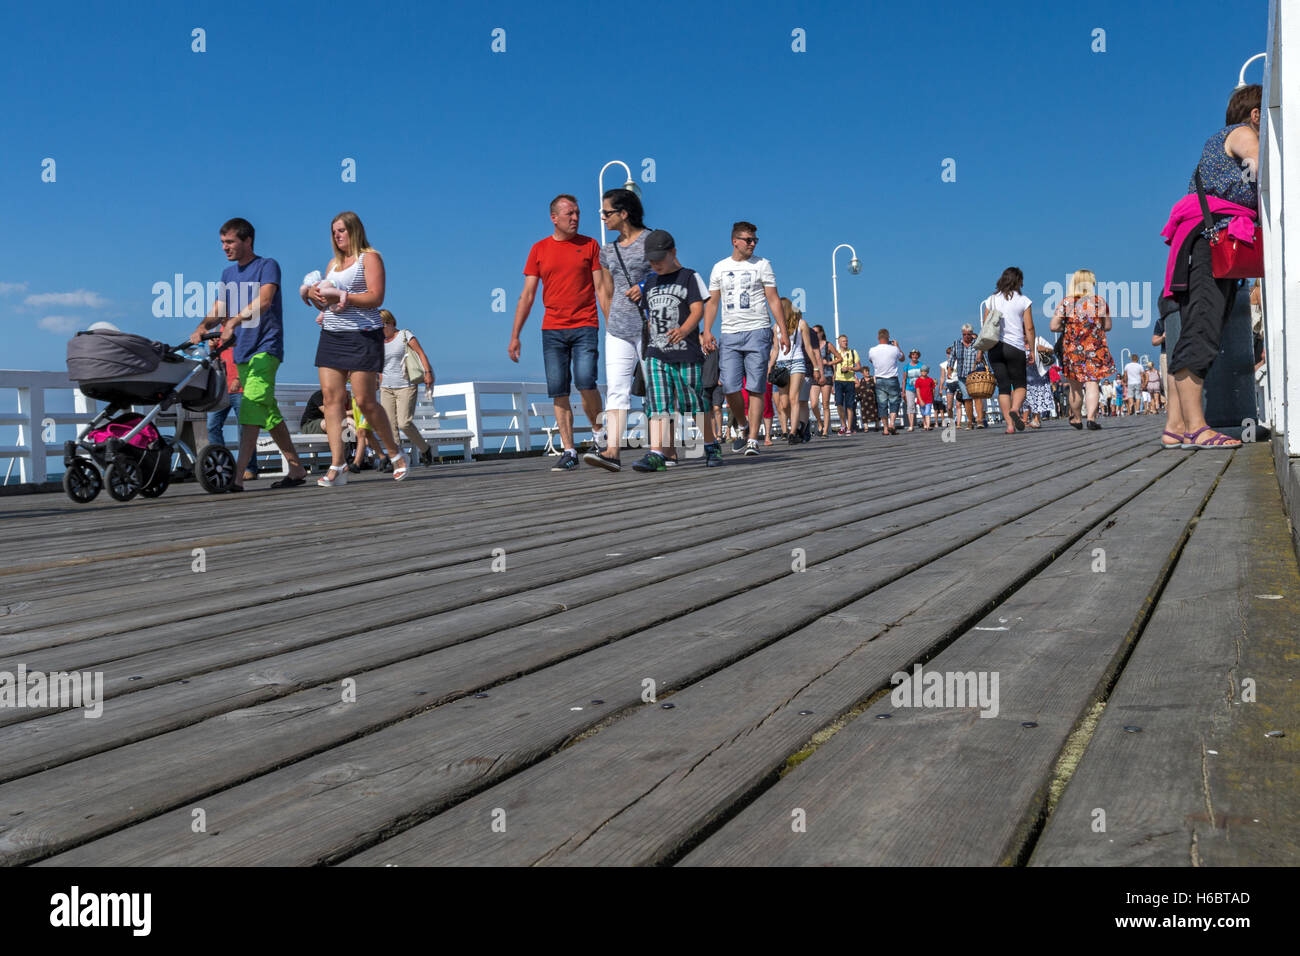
(1279, 187)
(498, 413)
(37, 427)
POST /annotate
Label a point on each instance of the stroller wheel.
(216, 469)
(81, 481)
(156, 487)
(123, 479)
(157, 469)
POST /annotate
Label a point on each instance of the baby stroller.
(122, 451)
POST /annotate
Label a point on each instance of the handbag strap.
(1205, 205)
(640, 303)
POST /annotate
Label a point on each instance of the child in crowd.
(674, 363)
(925, 386)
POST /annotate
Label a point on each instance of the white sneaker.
(600, 440)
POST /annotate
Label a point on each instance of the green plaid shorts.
(674, 387)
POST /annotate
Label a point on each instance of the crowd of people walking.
(766, 372)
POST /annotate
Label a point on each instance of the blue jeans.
(744, 355)
(564, 347)
(217, 421)
(888, 395)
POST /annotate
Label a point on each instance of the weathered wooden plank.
(686, 648)
(287, 558)
(873, 792)
(1201, 784)
(642, 788)
(293, 567)
(588, 605)
(208, 646)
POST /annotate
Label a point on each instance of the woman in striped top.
(352, 344)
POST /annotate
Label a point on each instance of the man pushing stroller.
(250, 310)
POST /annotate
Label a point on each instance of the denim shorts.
(744, 355)
(578, 347)
(887, 396)
(795, 365)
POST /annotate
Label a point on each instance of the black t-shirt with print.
(669, 299)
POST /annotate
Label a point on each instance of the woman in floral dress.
(1086, 361)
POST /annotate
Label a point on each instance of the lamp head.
(633, 187)
(855, 265)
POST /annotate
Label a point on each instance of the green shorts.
(674, 387)
(257, 376)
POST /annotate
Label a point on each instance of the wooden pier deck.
(458, 669)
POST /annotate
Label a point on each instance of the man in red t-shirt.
(568, 267)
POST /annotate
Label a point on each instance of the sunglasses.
(606, 213)
(751, 240)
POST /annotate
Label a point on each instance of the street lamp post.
(855, 266)
(600, 189)
(1241, 77)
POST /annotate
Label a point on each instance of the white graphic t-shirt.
(744, 306)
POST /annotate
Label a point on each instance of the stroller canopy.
(100, 355)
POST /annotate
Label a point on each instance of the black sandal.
(288, 482)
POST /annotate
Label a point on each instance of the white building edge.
(1279, 189)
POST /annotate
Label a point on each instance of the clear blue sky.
(1065, 157)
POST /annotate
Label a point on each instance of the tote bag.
(991, 331)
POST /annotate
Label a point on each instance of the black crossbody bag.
(638, 377)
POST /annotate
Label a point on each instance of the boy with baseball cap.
(674, 359)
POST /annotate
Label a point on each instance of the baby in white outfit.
(336, 297)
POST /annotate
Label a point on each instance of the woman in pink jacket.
(1227, 173)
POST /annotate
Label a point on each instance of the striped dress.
(351, 319)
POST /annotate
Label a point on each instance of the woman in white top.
(792, 401)
(352, 344)
(1007, 357)
(397, 393)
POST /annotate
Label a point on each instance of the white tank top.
(795, 352)
(352, 280)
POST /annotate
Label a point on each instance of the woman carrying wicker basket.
(1084, 319)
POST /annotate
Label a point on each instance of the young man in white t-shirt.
(1133, 375)
(884, 360)
(745, 286)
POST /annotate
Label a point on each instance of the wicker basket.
(981, 384)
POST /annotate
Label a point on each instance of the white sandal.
(399, 473)
(329, 480)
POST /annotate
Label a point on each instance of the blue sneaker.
(713, 455)
(568, 462)
(653, 461)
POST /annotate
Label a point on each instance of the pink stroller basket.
(119, 427)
